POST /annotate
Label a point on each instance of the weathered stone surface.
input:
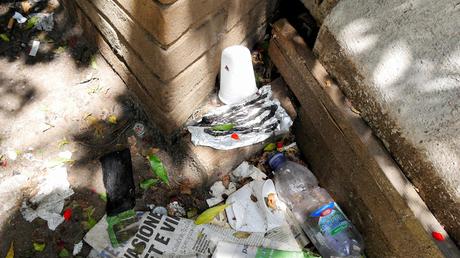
(168, 23)
(157, 18)
(176, 99)
(166, 63)
(319, 9)
(206, 67)
(238, 9)
(350, 162)
(402, 74)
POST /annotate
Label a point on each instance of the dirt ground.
(65, 99)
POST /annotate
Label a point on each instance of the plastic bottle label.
(331, 219)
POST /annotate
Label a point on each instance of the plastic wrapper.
(252, 121)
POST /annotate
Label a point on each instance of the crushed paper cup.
(249, 211)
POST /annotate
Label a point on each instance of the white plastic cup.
(237, 80)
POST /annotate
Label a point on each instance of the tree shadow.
(63, 37)
(143, 100)
(407, 89)
(15, 95)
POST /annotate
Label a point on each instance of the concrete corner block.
(156, 17)
(195, 57)
(351, 162)
(384, 69)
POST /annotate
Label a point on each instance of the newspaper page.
(163, 236)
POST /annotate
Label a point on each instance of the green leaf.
(209, 214)
(158, 168)
(103, 196)
(39, 247)
(89, 211)
(146, 184)
(60, 50)
(10, 253)
(223, 127)
(270, 147)
(4, 37)
(90, 222)
(64, 253)
(31, 22)
(63, 142)
(93, 62)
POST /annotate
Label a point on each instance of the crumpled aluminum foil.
(255, 119)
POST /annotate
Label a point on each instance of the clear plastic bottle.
(327, 226)
(292, 180)
(319, 216)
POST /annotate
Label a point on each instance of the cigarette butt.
(34, 49)
(10, 23)
(25, 5)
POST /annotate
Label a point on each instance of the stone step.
(402, 74)
(351, 162)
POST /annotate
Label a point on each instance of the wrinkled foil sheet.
(255, 119)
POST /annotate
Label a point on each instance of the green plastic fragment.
(39, 247)
(64, 253)
(4, 37)
(103, 196)
(270, 147)
(146, 184)
(223, 127)
(31, 22)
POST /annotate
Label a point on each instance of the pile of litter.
(252, 224)
(253, 120)
(246, 217)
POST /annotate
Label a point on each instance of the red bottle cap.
(67, 214)
(235, 136)
(438, 236)
(279, 145)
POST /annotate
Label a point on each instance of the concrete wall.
(351, 162)
(170, 50)
(398, 62)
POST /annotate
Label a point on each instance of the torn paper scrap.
(247, 170)
(52, 190)
(252, 121)
(19, 17)
(98, 238)
(217, 190)
(77, 248)
(255, 207)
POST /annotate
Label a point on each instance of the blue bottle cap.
(276, 160)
